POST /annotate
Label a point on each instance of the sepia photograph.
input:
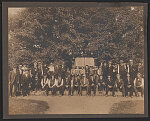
(76, 58)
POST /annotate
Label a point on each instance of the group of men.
(108, 77)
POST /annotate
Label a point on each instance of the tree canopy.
(58, 34)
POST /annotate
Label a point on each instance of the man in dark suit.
(68, 80)
(25, 83)
(92, 85)
(130, 86)
(110, 69)
(110, 86)
(122, 70)
(132, 70)
(61, 85)
(55, 86)
(84, 85)
(104, 71)
(101, 84)
(87, 71)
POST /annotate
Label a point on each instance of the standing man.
(110, 69)
(141, 69)
(25, 83)
(123, 73)
(40, 73)
(85, 85)
(12, 80)
(72, 85)
(69, 83)
(99, 70)
(87, 71)
(104, 71)
(17, 85)
(132, 69)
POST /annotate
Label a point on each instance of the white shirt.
(56, 82)
(141, 80)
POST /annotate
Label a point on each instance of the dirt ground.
(37, 104)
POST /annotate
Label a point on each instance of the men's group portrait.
(79, 57)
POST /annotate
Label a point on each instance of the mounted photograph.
(75, 59)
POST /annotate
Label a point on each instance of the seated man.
(51, 81)
(139, 85)
(68, 84)
(92, 85)
(72, 83)
(119, 84)
(101, 84)
(45, 84)
(76, 86)
(61, 86)
(55, 86)
(79, 84)
(110, 86)
(130, 86)
(84, 85)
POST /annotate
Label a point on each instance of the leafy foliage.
(58, 34)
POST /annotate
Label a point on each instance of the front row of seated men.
(77, 83)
